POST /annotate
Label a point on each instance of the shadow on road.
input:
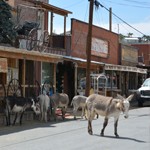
(121, 138)
(29, 125)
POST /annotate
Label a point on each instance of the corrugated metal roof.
(81, 60)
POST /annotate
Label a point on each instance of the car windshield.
(146, 82)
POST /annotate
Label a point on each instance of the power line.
(97, 4)
(139, 2)
(140, 5)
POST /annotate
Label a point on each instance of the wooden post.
(136, 81)
(120, 81)
(75, 74)
(51, 30)
(88, 48)
(55, 65)
(64, 32)
(24, 76)
(110, 19)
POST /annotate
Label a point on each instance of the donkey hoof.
(101, 134)
(90, 132)
(117, 136)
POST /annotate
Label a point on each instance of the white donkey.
(107, 107)
(78, 101)
(42, 106)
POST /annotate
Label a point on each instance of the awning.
(125, 68)
(16, 53)
(82, 62)
(51, 8)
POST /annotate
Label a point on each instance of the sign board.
(3, 65)
(99, 47)
(129, 56)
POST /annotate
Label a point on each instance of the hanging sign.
(3, 65)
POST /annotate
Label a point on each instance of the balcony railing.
(56, 44)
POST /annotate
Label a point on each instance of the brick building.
(64, 59)
(143, 56)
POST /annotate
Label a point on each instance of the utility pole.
(110, 19)
(88, 48)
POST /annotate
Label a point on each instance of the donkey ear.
(120, 97)
(130, 97)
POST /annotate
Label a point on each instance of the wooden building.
(63, 61)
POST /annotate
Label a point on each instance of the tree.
(7, 33)
(146, 38)
(121, 37)
(130, 34)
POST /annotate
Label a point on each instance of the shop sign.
(3, 65)
(99, 47)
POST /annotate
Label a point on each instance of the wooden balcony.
(56, 44)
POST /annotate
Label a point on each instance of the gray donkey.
(107, 107)
(59, 100)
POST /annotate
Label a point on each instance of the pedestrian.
(91, 90)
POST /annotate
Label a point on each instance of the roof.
(51, 8)
(82, 62)
(125, 68)
(16, 53)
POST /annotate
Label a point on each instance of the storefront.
(124, 79)
(29, 67)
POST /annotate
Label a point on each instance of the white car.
(144, 92)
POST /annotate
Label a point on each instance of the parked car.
(143, 93)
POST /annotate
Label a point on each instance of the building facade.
(63, 61)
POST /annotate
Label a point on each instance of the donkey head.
(125, 104)
(36, 107)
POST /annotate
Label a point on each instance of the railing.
(54, 44)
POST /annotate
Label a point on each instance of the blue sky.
(134, 12)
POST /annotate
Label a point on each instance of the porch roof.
(125, 68)
(82, 62)
(16, 53)
(50, 8)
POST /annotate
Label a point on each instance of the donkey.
(16, 105)
(107, 107)
(60, 100)
(78, 101)
(41, 106)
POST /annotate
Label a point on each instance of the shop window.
(12, 74)
(47, 72)
(111, 80)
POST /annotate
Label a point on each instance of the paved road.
(72, 134)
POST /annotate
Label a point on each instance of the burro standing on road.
(107, 107)
(59, 100)
(78, 101)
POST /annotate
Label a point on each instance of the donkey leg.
(90, 127)
(7, 117)
(75, 112)
(63, 110)
(115, 127)
(54, 114)
(45, 116)
(82, 112)
(104, 126)
(16, 114)
(21, 117)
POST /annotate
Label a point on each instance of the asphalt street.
(72, 134)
